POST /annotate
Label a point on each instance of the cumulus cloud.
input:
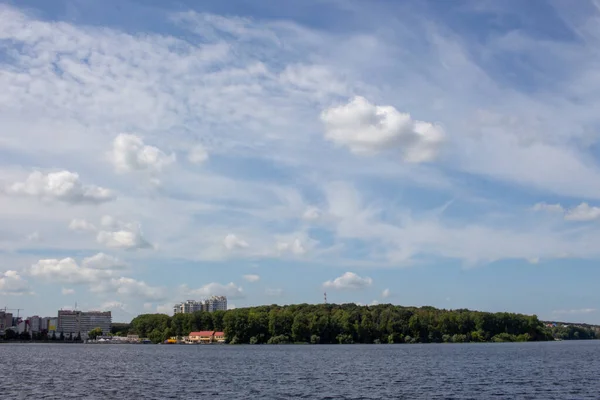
(197, 154)
(130, 287)
(273, 292)
(61, 186)
(67, 270)
(252, 278)
(349, 281)
(366, 128)
(129, 153)
(11, 283)
(231, 290)
(81, 225)
(386, 293)
(121, 235)
(66, 291)
(103, 262)
(583, 212)
(295, 247)
(232, 242)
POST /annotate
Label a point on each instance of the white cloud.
(67, 291)
(112, 305)
(34, 237)
(574, 311)
(66, 270)
(11, 283)
(273, 292)
(349, 280)
(295, 247)
(103, 261)
(123, 240)
(366, 128)
(583, 212)
(62, 186)
(252, 278)
(81, 225)
(131, 287)
(197, 154)
(311, 213)
(386, 293)
(129, 153)
(232, 242)
(231, 290)
(557, 208)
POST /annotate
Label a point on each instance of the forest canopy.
(349, 323)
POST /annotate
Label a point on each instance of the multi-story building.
(6, 321)
(214, 303)
(188, 307)
(35, 324)
(81, 322)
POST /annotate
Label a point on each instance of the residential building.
(49, 324)
(35, 324)
(206, 337)
(188, 307)
(214, 303)
(5, 321)
(81, 322)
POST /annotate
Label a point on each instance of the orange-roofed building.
(206, 337)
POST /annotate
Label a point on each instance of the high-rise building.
(6, 320)
(214, 303)
(81, 322)
(188, 307)
(35, 324)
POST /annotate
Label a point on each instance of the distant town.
(96, 326)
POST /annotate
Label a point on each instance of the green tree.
(94, 333)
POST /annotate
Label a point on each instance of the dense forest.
(349, 323)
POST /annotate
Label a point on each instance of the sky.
(414, 153)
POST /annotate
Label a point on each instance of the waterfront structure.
(212, 304)
(81, 322)
(206, 337)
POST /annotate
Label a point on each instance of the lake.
(551, 370)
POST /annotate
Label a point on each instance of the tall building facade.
(81, 322)
(35, 324)
(6, 321)
(212, 304)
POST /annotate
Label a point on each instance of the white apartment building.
(212, 304)
(35, 324)
(81, 322)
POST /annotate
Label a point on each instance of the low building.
(206, 337)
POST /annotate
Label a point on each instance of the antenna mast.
(325, 296)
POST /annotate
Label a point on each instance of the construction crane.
(18, 310)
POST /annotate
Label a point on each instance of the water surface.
(553, 370)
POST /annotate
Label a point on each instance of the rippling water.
(556, 370)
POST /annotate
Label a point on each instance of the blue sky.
(417, 153)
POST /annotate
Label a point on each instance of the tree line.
(345, 323)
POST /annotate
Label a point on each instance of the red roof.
(219, 334)
(202, 333)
